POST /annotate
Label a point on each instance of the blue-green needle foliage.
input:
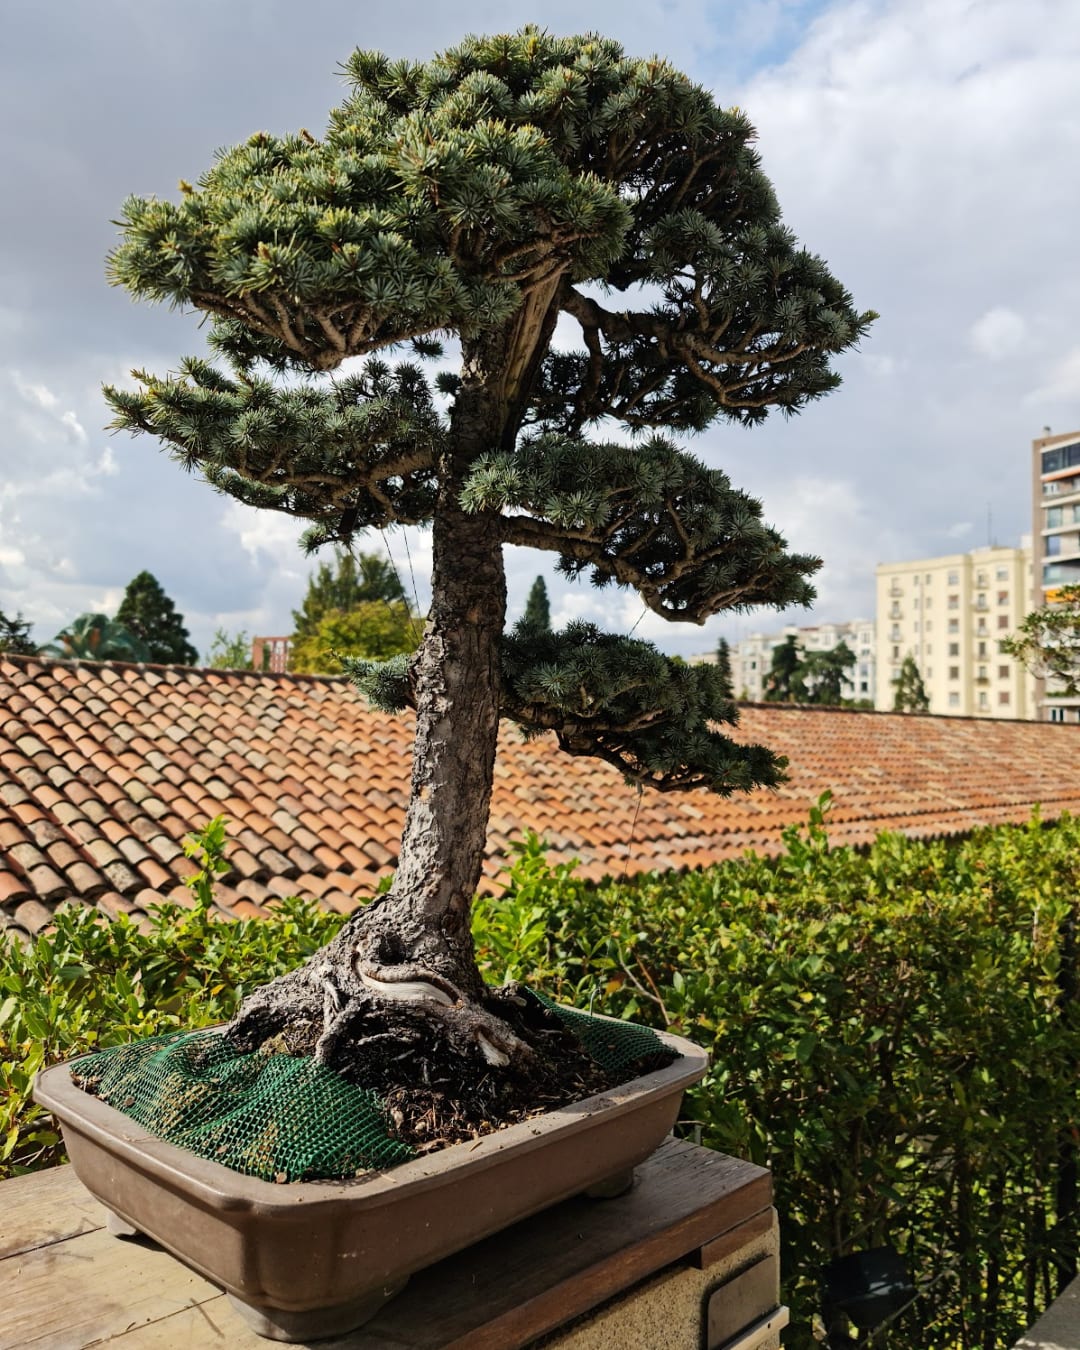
(507, 183)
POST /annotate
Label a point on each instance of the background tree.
(909, 692)
(537, 616)
(96, 637)
(785, 682)
(354, 579)
(148, 613)
(824, 674)
(229, 651)
(723, 667)
(1048, 641)
(375, 630)
(507, 183)
(15, 636)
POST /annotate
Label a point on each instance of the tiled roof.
(104, 768)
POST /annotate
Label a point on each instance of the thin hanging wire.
(414, 615)
(633, 832)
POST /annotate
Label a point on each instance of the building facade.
(1055, 496)
(951, 614)
(751, 658)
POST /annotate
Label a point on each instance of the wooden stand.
(686, 1260)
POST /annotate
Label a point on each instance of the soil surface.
(436, 1096)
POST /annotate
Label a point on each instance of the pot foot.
(119, 1227)
(283, 1324)
(611, 1187)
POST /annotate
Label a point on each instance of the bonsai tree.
(148, 613)
(96, 637)
(476, 199)
(1048, 641)
(909, 692)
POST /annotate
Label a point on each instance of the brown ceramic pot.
(312, 1259)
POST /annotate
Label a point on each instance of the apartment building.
(951, 614)
(751, 658)
(1055, 463)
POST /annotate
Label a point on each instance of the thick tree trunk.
(413, 947)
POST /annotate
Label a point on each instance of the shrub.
(893, 1032)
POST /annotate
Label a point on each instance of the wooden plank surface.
(89, 1289)
(43, 1208)
(66, 1293)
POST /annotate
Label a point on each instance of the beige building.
(951, 614)
(1055, 496)
(751, 658)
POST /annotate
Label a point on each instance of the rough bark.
(403, 970)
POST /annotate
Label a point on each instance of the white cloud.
(1061, 384)
(998, 333)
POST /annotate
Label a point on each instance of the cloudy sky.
(928, 149)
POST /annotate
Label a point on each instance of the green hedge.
(893, 1032)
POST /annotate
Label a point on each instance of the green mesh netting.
(278, 1117)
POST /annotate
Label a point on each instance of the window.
(982, 651)
(1003, 672)
(929, 625)
(954, 700)
(1003, 621)
(980, 601)
(1054, 517)
(954, 578)
(982, 669)
(917, 602)
(864, 688)
(928, 601)
(1003, 597)
(954, 649)
(929, 646)
(1076, 514)
(894, 635)
(927, 578)
(984, 699)
(1053, 545)
(753, 665)
(981, 630)
(1003, 697)
(1057, 714)
(896, 653)
(954, 602)
(954, 625)
(980, 581)
(929, 672)
(954, 672)
(1002, 574)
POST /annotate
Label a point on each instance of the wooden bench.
(687, 1259)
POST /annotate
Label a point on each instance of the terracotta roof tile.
(104, 769)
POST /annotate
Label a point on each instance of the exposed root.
(449, 1066)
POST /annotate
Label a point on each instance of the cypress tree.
(148, 614)
(723, 668)
(537, 616)
(509, 182)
